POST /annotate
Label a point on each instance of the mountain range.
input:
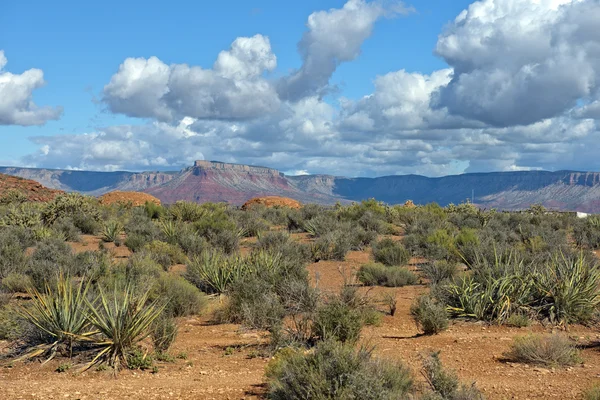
(235, 183)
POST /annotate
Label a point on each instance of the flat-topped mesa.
(215, 165)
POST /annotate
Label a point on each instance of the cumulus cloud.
(233, 89)
(517, 62)
(333, 37)
(521, 91)
(16, 97)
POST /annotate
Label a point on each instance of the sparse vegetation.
(548, 350)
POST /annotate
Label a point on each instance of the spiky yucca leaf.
(214, 273)
(59, 314)
(111, 231)
(122, 320)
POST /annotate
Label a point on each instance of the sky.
(351, 88)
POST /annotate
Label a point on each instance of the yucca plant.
(122, 320)
(59, 315)
(567, 289)
(214, 273)
(168, 228)
(111, 231)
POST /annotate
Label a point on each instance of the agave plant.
(168, 228)
(122, 320)
(111, 231)
(214, 273)
(59, 315)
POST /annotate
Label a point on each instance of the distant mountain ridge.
(235, 183)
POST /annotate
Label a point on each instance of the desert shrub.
(444, 383)
(58, 315)
(549, 350)
(154, 211)
(518, 320)
(140, 271)
(380, 275)
(165, 254)
(50, 257)
(163, 333)
(321, 224)
(337, 320)
(135, 242)
(123, 319)
(360, 238)
(214, 272)
(440, 245)
(191, 243)
(429, 315)
(251, 223)
(67, 228)
(91, 264)
(335, 371)
(593, 393)
(332, 246)
(136, 358)
(87, 222)
(228, 241)
(15, 282)
(26, 215)
(214, 223)
(389, 252)
(12, 253)
(12, 326)
(83, 210)
(140, 225)
(111, 231)
(272, 241)
(13, 196)
(182, 297)
(439, 271)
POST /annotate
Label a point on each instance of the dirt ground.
(224, 362)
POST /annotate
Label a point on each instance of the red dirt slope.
(272, 201)
(133, 198)
(34, 191)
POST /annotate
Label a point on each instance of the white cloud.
(333, 37)
(233, 89)
(517, 62)
(16, 97)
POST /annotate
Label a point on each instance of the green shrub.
(91, 264)
(444, 383)
(66, 227)
(87, 222)
(389, 252)
(593, 393)
(183, 298)
(335, 371)
(186, 211)
(439, 271)
(82, 209)
(12, 326)
(332, 246)
(338, 321)
(518, 320)
(548, 350)
(165, 254)
(15, 282)
(135, 242)
(136, 358)
(429, 315)
(12, 253)
(272, 241)
(50, 257)
(154, 211)
(13, 196)
(380, 275)
(163, 333)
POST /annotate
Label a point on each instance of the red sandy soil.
(272, 201)
(34, 191)
(474, 350)
(128, 198)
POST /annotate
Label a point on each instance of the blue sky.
(80, 47)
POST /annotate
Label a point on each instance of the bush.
(165, 254)
(12, 326)
(182, 297)
(82, 209)
(335, 371)
(135, 242)
(429, 315)
(518, 320)
(380, 275)
(136, 358)
(444, 383)
(12, 253)
(228, 241)
(163, 333)
(332, 246)
(592, 393)
(67, 229)
(389, 252)
(213, 272)
(50, 257)
(91, 264)
(338, 321)
(548, 350)
(439, 271)
(16, 283)
(272, 241)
